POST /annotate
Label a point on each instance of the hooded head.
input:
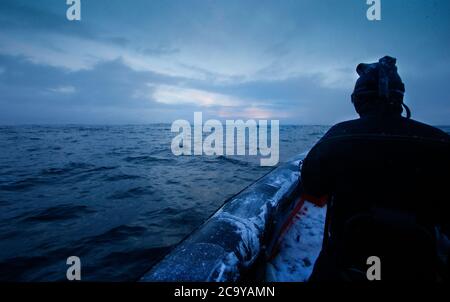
(379, 89)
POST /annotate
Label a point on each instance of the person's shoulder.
(324, 147)
(342, 128)
(398, 126)
(335, 131)
(426, 130)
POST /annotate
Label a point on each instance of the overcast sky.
(161, 60)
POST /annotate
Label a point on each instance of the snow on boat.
(255, 235)
(299, 247)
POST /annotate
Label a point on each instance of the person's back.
(383, 177)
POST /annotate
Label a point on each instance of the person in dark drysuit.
(384, 179)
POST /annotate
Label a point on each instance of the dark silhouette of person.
(384, 179)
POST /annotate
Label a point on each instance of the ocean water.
(115, 196)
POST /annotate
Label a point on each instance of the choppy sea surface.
(115, 196)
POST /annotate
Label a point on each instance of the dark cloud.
(20, 15)
(44, 91)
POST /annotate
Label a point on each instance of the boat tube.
(236, 241)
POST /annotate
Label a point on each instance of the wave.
(233, 160)
(131, 193)
(60, 212)
(120, 177)
(138, 263)
(146, 159)
(16, 268)
(72, 166)
(121, 232)
(23, 184)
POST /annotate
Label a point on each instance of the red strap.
(318, 201)
(287, 224)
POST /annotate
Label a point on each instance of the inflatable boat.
(258, 234)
